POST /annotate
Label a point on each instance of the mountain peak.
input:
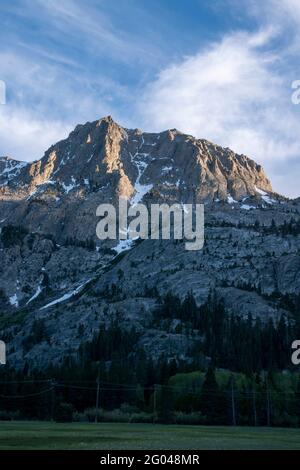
(107, 119)
(102, 154)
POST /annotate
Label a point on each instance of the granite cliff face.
(52, 266)
(101, 161)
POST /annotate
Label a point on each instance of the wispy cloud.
(90, 27)
(44, 101)
(22, 135)
(235, 93)
(64, 63)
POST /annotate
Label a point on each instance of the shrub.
(141, 418)
(115, 416)
(64, 413)
(90, 414)
(189, 418)
(284, 420)
(129, 409)
(80, 417)
(9, 415)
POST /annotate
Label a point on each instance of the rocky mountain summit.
(101, 148)
(101, 161)
(55, 270)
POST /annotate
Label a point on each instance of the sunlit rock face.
(101, 161)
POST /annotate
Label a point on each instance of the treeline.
(222, 397)
(239, 344)
(291, 227)
(287, 228)
(236, 372)
(217, 397)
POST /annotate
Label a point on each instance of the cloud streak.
(65, 63)
(44, 103)
(233, 94)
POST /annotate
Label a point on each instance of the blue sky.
(220, 70)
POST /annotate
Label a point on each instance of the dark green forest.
(238, 371)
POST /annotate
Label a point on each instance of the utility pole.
(254, 407)
(97, 397)
(154, 405)
(268, 403)
(233, 402)
(53, 399)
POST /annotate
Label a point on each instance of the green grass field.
(108, 436)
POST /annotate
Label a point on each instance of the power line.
(27, 396)
(4, 382)
(112, 386)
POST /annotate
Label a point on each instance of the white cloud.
(95, 28)
(26, 138)
(57, 78)
(285, 10)
(232, 94)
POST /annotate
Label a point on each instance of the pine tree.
(296, 406)
(209, 397)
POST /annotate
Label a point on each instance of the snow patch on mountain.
(66, 296)
(13, 300)
(230, 199)
(35, 295)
